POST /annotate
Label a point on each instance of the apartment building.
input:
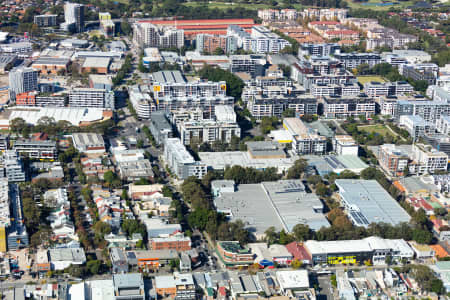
(354, 60)
(22, 80)
(304, 140)
(345, 145)
(430, 111)
(173, 92)
(43, 100)
(324, 49)
(208, 43)
(416, 126)
(443, 125)
(277, 14)
(381, 36)
(252, 64)
(151, 35)
(11, 166)
(393, 160)
(107, 26)
(181, 161)
(160, 127)
(208, 131)
(36, 149)
(335, 90)
(379, 89)
(45, 20)
(264, 41)
(264, 106)
(142, 101)
(88, 97)
(335, 108)
(325, 13)
(419, 74)
(426, 159)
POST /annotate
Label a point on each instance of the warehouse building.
(88, 142)
(366, 202)
(282, 204)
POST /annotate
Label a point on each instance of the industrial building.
(89, 143)
(366, 202)
(325, 164)
(282, 204)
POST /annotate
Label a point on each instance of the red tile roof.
(298, 251)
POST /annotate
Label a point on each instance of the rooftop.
(168, 77)
(297, 279)
(367, 202)
(128, 280)
(96, 62)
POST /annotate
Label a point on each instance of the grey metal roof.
(367, 202)
(168, 77)
(128, 280)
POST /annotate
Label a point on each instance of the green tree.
(302, 232)
(93, 266)
(298, 169)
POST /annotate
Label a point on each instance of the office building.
(282, 204)
(345, 145)
(373, 249)
(151, 35)
(393, 160)
(22, 80)
(181, 161)
(208, 43)
(233, 254)
(160, 127)
(73, 17)
(176, 242)
(89, 97)
(128, 286)
(36, 149)
(304, 140)
(354, 60)
(366, 202)
(415, 125)
(336, 108)
(11, 166)
(45, 20)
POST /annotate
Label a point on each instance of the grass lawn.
(364, 79)
(373, 4)
(380, 129)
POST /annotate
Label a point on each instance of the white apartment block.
(142, 101)
(304, 140)
(345, 145)
(181, 161)
(277, 14)
(428, 160)
(415, 125)
(262, 40)
(443, 125)
(325, 13)
(89, 97)
(150, 35)
(208, 131)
